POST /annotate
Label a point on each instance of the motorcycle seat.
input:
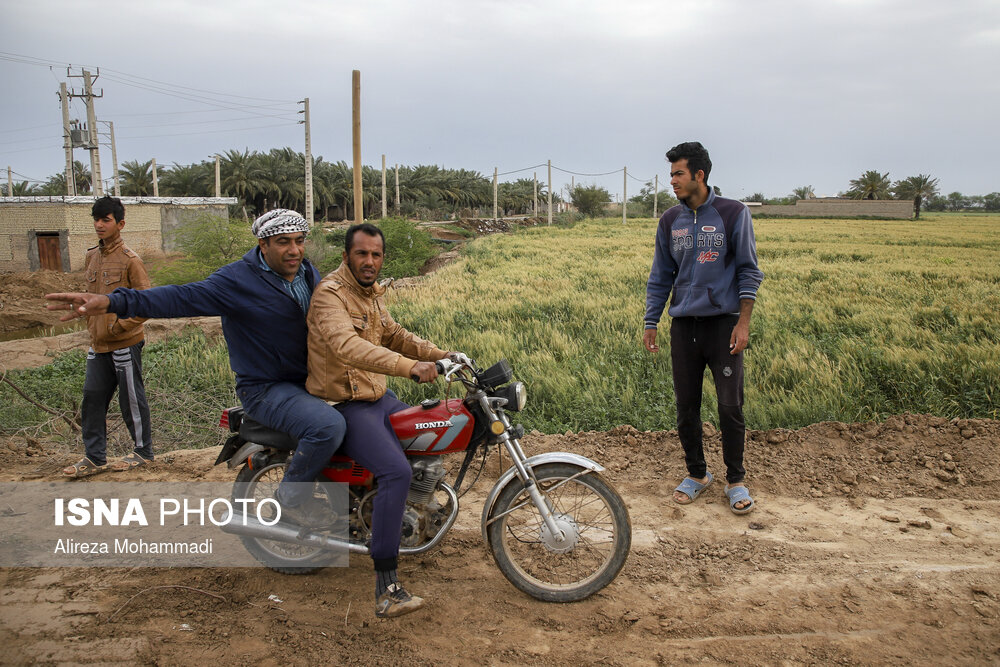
(253, 431)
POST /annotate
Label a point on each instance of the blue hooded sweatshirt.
(706, 257)
(264, 326)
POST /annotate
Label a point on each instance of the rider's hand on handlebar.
(423, 371)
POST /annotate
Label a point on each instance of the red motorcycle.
(556, 528)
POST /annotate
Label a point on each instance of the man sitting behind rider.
(353, 344)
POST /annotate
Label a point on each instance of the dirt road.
(870, 544)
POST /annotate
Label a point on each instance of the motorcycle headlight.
(516, 396)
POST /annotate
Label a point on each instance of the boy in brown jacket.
(114, 360)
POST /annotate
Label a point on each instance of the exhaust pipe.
(249, 526)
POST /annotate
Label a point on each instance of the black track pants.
(107, 371)
(696, 342)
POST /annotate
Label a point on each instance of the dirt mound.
(871, 543)
(22, 297)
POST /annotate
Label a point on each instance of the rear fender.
(242, 454)
(511, 475)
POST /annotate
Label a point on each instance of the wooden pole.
(656, 195)
(624, 194)
(494, 193)
(550, 192)
(534, 210)
(359, 206)
(397, 189)
(385, 212)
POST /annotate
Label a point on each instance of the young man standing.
(114, 360)
(706, 255)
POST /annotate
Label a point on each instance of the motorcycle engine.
(427, 472)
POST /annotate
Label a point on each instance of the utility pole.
(359, 206)
(384, 203)
(550, 192)
(309, 161)
(68, 141)
(93, 146)
(218, 179)
(397, 189)
(624, 193)
(494, 193)
(114, 158)
(156, 181)
(534, 209)
(10, 182)
(656, 195)
(95, 153)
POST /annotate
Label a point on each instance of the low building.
(54, 233)
(839, 207)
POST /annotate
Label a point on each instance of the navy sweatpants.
(107, 371)
(371, 442)
(696, 342)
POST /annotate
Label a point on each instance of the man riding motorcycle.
(353, 344)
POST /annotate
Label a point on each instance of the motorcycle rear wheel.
(589, 511)
(284, 557)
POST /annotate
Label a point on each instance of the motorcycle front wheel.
(595, 529)
(284, 557)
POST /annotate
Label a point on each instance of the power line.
(189, 134)
(577, 173)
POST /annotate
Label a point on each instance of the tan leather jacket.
(110, 267)
(354, 342)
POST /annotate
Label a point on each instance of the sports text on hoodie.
(706, 257)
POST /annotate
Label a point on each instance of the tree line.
(266, 180)
(276, 178)
(921, 189)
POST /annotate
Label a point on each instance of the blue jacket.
(264, 325)
(706, 257)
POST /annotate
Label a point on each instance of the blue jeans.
(319, 428)
(373, 444)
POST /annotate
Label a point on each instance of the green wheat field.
(855, 320)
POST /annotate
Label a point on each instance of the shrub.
(207, 242)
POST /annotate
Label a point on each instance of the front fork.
(527, 476)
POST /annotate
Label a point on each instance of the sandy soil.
(874, 543)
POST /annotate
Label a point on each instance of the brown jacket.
(354, 342)
(110, 267)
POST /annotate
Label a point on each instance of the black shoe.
(396, 602)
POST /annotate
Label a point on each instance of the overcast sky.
(783, 93)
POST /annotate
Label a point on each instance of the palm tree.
(21, 189)
(136, 178)
(81, 176)
(195, 180)
(918, 188)
(241, 176)
(804, 192)
(871, 185)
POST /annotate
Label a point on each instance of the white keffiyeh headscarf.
(279, 221)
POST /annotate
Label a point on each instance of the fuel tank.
(433, 427)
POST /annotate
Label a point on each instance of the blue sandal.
(692, 489)
(738, 494)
